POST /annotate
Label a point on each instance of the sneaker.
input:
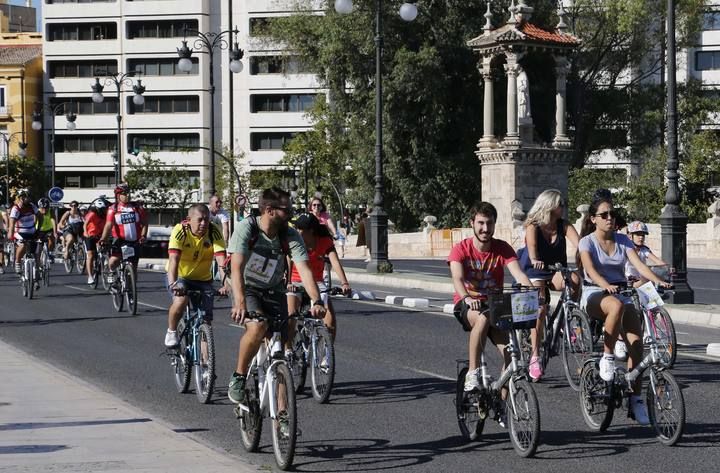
(324, 362)
(472, 380)
(607, 367)
(638, 410)
(171, 338)
(236, 388)
(502, 418)
(91, 280)
(620, 350)
(535, 368)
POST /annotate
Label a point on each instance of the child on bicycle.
(637, 231)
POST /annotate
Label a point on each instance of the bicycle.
(312, 346)
(103, 259)
(661, 324)
(8, 250)
(44, 262)
(29, 274)
(270, 393)
(521, 405)
(124, 288)
(664, 398)
(194, 356)
(73, 258)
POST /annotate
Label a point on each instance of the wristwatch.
(318, 303)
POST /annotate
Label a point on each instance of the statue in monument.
(523, 94)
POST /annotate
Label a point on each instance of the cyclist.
(71, 225)
(317, 208)
(46, 226)
(219, 216)
(603, 256)
(23, 224)
(259, 247)
(476, 266)
(546, 238)
(3, 235)
(638, 231)
(319, 245)
(93, 228)
(126, 221)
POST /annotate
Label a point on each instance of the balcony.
(5, 112)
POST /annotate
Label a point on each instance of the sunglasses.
(607, 215)
(287, 210)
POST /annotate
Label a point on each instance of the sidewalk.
(51, 421)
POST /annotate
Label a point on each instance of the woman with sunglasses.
(318, 209)
(603, 256)
(71, 224)
(546, 235)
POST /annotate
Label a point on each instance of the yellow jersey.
(196, 253)
(46, 224)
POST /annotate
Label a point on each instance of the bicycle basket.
(517, 310)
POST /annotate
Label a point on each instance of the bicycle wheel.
(45, 267)
(130, 290)
(523, 336)
(97, 272)
(251, 420)
(181, 366)
(29, 277)
(284, 426)
(523, 413)
(471, 418)
(23, 282)
(80, 258)
(69, 262)
(577, 347)
(666, 407)
(664, 330)
(117, 291)
(105, 271)
(298, 363)
(204, 368)
(322, 366)
(596, 405)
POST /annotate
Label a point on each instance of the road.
(392, 406)
(705, 282)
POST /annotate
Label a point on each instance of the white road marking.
(85, 289)
(700, 357)
(151, 305)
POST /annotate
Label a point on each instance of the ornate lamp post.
(119, 79)
(378, 217)
(37, 125)
(211, 42)
(22, 152)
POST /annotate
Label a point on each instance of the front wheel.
(664, 330)
(470, 415)
(29, 277)
(105, 271)
(298, 363)
(322, 366)
(285, 423)
(204, 368)
(576, 346)
(596, 403)
(69, 262)
(80, 258)
(97, 271)
(523, 413)
(130, 287)
(666, 407)
(180, 362)
(45, 265)
(251, 420)
(117, 291)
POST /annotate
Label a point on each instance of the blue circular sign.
(56, 194)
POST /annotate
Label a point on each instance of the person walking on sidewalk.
(477, 266)
(259, 248)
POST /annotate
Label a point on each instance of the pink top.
(482, 270)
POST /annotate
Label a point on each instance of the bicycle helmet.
(637, 227)
(100, 204)
(43, 203)
(122, 188)
(22, 193)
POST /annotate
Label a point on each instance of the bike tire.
(117, 292)
(322, 368)
(80, 258)
(23, 282)
(577, 348)
(596, 404)
(97, 272)
(467, 409)
(45, 265)
(665, 336)
(30, 277)
(181, 366)
(251, 420)
(204, 368)
(105, 272)
(298, 364)
(284, 438)
(525, 342)
(523, 414)
(69, 262)
(666, 407)
(130, 290)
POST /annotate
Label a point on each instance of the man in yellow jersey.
(47, 226)
(193, 244)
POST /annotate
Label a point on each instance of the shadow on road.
(389, 390)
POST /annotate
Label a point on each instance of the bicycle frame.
(567, 304)
(267, 397)
(653, 357)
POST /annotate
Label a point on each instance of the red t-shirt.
(94, 224)
(482, 270)
(127, 220)
(316, 259)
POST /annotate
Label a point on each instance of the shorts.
(593, 293)
(461, 310)
(115, 249)
(27, 238)
(208, 299)
(322, 287)
(74, 229)
(269, 302)
(91, 243)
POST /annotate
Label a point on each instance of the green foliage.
(26, 173)
(583, 182)
(643, 197)
(226, 181)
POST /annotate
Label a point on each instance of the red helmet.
(122, 188)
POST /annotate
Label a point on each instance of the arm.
(572, 234)
(237, 271)
(331, 226)
(226, 230)
(518, 274)
(173, 261)
(310, 287)
(531, 242)
(337, 267)
(63, 220)
(654, 260)
(11, 229)
(643, 269)
(458, 278)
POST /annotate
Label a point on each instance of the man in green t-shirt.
(258, 268)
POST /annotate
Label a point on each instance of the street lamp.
(119, 79)
(210, 42)
(37, 125)
(673, 221)
(22, 152)
(378, 216)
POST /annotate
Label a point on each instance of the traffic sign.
(56, 205)
(241, 200)
(56, 194)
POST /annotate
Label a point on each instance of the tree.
(24, 172)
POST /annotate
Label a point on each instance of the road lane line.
(700, 357)
(84, 289)
(151, 305)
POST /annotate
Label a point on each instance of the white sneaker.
(91, 280)
(639, 410)
(607, 367)
(171, 338)
(472, 380)
(620, 350)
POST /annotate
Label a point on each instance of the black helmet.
(43, 203)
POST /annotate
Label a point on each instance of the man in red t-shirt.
(92, 229)
(477, 266)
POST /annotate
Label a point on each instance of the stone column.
(488, 138)
(512, 137)
(561, 139)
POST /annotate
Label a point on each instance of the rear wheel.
(666, 407)
(45, 265)
(284, 426)
(298, 363)
(523, 413)
(322, 366)
(181, 365)
(204, 369)
(596, 403)
(251, 420)
(576, 347)
(470, 415)
(664, 331)
(130, 289)
(81, 258)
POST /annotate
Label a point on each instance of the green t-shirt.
(265, 266)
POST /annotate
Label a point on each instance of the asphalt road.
(392, 406)
(705, 282)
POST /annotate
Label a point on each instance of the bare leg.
(249, 344)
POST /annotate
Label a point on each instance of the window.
(711, 21)
(278, 65)
(707, 60)
(166, 104)
(85, 106)
(164, 141)
(160, 66)
(160, 28)
(86, 179)
(259, 26)
(81, 31)
(50, 2)
(269, 141)
(85, 143)
(80, 68)
(3, 97)
(282, 102)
